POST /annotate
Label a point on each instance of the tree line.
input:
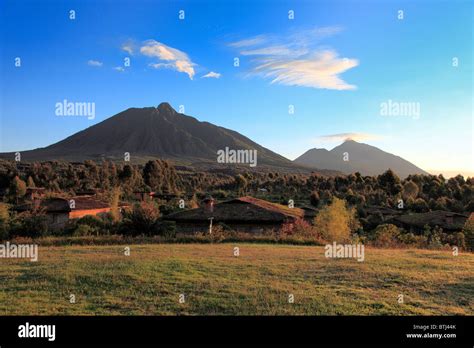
(418, 193)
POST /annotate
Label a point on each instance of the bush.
(386, 236)
(4, 221)
(219, 234)
(91, 225)
(30, 224)
(334, 221)
(410, 190)
(314, 199)
(114, 200)
(420, 206)
(166, 209)
(141, 219)
(468, 232)
(166, 229)
(455, 239)
(434, 237)
(17, 189)
(92, 221)
(411, 239)
(86, 230)
(300, 228)
(220, 194)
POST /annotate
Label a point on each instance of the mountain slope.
(363, 158)
(151, 132)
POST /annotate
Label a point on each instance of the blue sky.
(336, 62)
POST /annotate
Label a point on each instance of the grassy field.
(214, 281)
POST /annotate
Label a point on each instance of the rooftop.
(444, 219)
(244, 209)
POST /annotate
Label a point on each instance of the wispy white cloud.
(260, 39)
(348, 136)
(128, 46)
(170, 58)
(119, 68)
(212, 75)
(294, 60)
(278, 50)
(92, 62)
(321, 70)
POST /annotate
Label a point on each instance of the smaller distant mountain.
(362, 158)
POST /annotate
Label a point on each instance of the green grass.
(258, 282)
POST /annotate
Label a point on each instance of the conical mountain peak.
(153, 132)
(166, 108)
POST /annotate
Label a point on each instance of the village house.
(147, 195)
(59, 211)
(33, 193)
(143, 195)
(244, 214)
(448, 221)
(385, 213)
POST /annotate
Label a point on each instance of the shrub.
(420, 206)
(410, 190)
(166, 229)
(334, 221)
(89, 225)
(434, 237)
(468, 231)
(141, 219)
(4, 221)
(166, 209)
(358, 238)
(411, 239)
(386, 236)
(91, 220)
(219, 194)
(17, 189)
(314, 199)
(86, 230)
(114, 200)
(455, 239)
(299, 228)
(219, 234)
(30, 224)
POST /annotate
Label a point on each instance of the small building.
(244, 214)
(87, 192)
(84, 205)
(385, 212)
(374, 215)
(448, 221)
(143, 195)
(33, 193)
(59, 211)
(147, 195)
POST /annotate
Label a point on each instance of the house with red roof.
(243, 214)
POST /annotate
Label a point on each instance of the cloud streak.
(349, 136)
(92, 62)
(212, 75)
(293, 60)
(128, 47)
(168, 57)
